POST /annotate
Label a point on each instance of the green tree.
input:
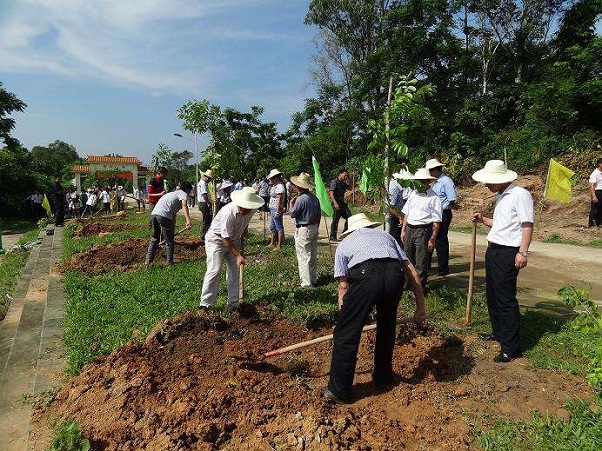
(56, 158)
(9, 103)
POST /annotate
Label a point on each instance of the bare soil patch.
(129, 254)
(97, 228)
(197, 384)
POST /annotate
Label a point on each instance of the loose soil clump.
(129, 254)
(197, 383)
(96, 228)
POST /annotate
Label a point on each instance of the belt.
(419, 226)
(374, 261)
(305, 225)
(501, 246)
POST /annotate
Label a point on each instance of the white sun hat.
(246, 198)
(358, 221)
(433, 163)
(303, 180)
(423, 174)
(226, 183)
(273, 173)
(403, 175)
(495, 171)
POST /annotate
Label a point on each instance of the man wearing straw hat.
(398, 195)
(421, 222)
(306, 213)
(445, 189)
(370, 268)
(205, 202)
(509, 240)
(223, 242)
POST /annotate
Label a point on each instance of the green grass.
(582, 431)
(10, 269)
(468, 229)
(68, 437)
(556, 238)
(595, 243)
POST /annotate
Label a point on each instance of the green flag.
(321, 193)
(364, 181)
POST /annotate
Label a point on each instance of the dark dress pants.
(595, 211)
(207, 217)
(415, 245)
(395, 229)
(161, 226)
(374, 282)
(501, 278)
(442, 242)
(59, 213)
(342, 212)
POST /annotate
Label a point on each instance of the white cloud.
(160, 45)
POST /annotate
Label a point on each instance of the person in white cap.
(224, 242)
(444, 188)
(205, 202)
(306, 213)
(370, 267)
(398, 195)
(421, 222)
(277, 207)
(509, 240)
(224, 191)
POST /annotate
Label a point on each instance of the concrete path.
(31, 349)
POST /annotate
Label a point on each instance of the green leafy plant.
(69, 438)
(589, 322)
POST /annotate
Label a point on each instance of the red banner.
(114, 175)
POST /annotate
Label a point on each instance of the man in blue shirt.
(397, 199)
(445, 189)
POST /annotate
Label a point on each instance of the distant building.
(111, 167)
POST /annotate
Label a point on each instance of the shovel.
(162, 242)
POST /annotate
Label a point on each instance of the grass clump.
(68, 437)
(582, 431)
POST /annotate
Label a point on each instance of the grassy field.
(106, 311)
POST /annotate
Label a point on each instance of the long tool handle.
(304, 344)
(175, 234)
(473, 250)
(241, 283)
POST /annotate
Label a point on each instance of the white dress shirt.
(513, 207)
(596, 178)
(423, 208)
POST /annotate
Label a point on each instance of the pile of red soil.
(197, 384)
(129, 254)
(96, 228)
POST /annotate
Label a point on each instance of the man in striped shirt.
(370, 268)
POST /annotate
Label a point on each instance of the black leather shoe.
(443, 273)
(391, 379)
(488, 337)
(332, 398)
(502, 357)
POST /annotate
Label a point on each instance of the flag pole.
(327, 234)
(545, 193)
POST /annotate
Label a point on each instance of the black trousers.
(395, 229)
(415, 245)
(501, 278)
(595, 211)
(59, 218)
(161, 226)
(342, 212)
(374, 282)
(207, 212)
(442, 242)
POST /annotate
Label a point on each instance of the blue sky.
(109, 75)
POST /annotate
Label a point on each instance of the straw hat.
(246, 198)
(423, 174)
(303, 180)
(273, 173)
(495, 171)
(433, 163)
(226, 183)
(358, 221)
(207, 173)
(403, 175)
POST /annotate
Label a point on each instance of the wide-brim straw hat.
(433, 163)
(303, 180)
(226, 184)
(273, 173)
(495, 171)
(423, 174)
(358, 221)
(403, 175)
(246, 198)
(207, 173)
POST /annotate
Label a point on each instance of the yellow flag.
(558, 184)
(46, 206)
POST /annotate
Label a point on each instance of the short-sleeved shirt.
(169, 204)
(274, 191)
(264, 189)
(596, 178)
(513, 207)
(306, 210)
(338, 189)
(362, 245)
(92, 199)
(229, 222)
(423, 208)
(444, 188)
(105, 197)
(155, 187)
(397, 195)
(202, 188)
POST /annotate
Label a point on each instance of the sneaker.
(332, 398)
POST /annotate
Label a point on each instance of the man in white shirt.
(421, 221)
(205, 202)
(163, 221)
(224, 242)
(595, 188)
(509, 240)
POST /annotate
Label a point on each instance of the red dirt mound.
(129, 254)
(196, 384)
(95, 228)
